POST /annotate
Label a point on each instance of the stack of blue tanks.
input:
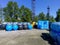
(11, 26)
(55, 32)
(43, 24)
(17, 26)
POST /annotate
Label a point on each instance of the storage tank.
(43, 24)
(20, 26)
(55, 26)
(0, 26)
(25, 25)
(15, 26)
(29, 26)
(53, 35)
(58, 39)
(8, 27)
(3, 25)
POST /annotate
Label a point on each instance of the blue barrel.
(8, 27)
(15, 27)
(29, 26)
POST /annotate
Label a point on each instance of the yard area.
(25, 37)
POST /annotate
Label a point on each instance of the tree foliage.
(13, 13)
(51, 19)
(25, 14)
(42, 16)
(36, 18)
(58, 15)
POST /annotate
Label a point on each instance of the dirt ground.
(25, 37)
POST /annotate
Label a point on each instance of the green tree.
(42, 16)
(52, 19)
(11, 11)
(25, 14)
(16, 10)
(58, 15)
(36, 18)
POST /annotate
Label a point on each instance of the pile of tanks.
(55, 32)
(9, 26)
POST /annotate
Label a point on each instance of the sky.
(40, 5)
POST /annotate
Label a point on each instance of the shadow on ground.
(47, 37)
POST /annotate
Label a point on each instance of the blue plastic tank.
(39, 26)
(56, 26)
(29, 26)
(15, 26)
(43, 24)
(58, 38)
(53, 35)
(8, 27)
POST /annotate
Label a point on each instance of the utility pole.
(48, 12)
(33, 9)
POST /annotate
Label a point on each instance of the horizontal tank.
(9, 27)
(55, 26)
(20, 26)
(25, 25)
(53, 35)
(15, 26)
(30, 26)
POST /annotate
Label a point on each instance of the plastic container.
(20, 26)
(53, 35)
(15, 26)
(58, 39)
(43, 25)
(56, 26)
(0, 26)
(8, 27)
(25, 25)
(3, 25)
(39, 26)
(29, 26)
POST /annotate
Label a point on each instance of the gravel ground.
(25, 37)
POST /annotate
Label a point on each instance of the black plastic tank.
(3, 25)
(20, 26)
(0, 26)
(25, 25)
